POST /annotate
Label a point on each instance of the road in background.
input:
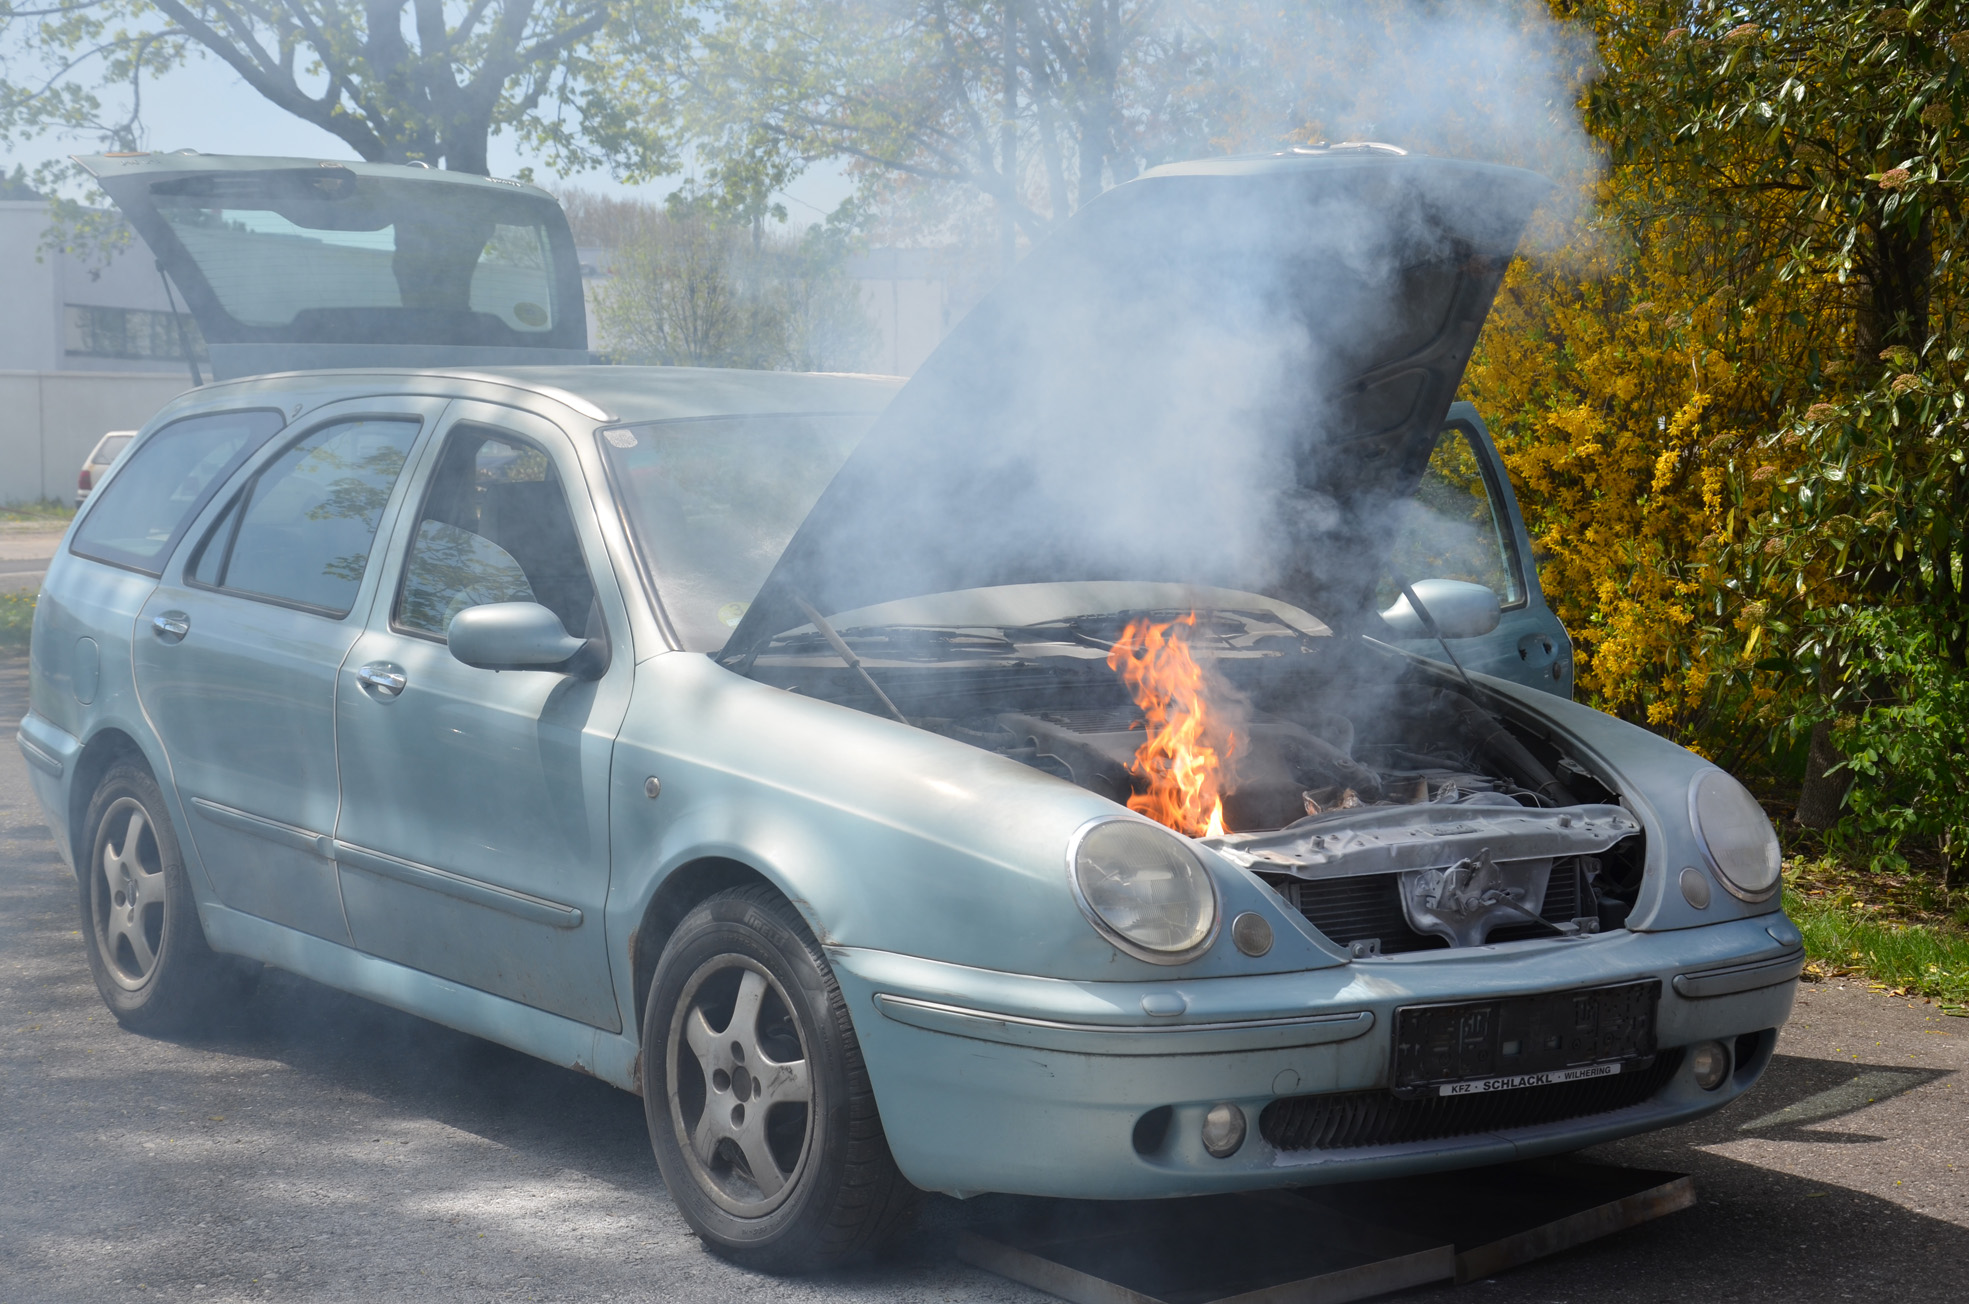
(24, 552)
(314, 1146)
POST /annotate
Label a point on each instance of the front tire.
(147, 951)
(758, 1104)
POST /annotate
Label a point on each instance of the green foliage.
(53, 511)
(690, 289)
(397, 81)
(16, 619)
(1907, 745)
(912, 94)
(1917, 959)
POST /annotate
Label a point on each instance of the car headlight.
(1143, 889)
(1736, 835)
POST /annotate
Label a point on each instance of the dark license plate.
(1524, 1041)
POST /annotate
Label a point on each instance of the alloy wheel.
(127, 895)
(741, 1092)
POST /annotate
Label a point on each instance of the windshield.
(712, 501)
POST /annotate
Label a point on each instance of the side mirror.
(513, 636)
(1461, 610)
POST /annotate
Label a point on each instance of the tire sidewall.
(743, 925)
(162, 996)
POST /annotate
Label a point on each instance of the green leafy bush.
(16, 618)
(1907, 744)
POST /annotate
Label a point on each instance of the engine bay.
(1378, 795)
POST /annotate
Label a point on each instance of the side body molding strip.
(1740, 977)
(1107, 1039)
(536, 910)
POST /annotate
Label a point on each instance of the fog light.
(1709, 1061)
(1223, 1130)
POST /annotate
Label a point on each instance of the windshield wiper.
(1435, 630)
(847, 654)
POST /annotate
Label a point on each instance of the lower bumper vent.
(1350, 1119)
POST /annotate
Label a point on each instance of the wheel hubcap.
(127, 894)
(740, 1089)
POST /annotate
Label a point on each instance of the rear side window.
(301, 531)
(136, 518)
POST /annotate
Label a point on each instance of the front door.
(473, 838)
(236, 653)
(1463, 524)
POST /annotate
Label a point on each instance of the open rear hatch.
(296, 264)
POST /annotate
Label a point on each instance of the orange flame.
(1185, 757)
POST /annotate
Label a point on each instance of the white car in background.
(96, 465)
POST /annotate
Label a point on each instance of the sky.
(207, 107)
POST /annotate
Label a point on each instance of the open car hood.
(297, 264)
(1219, 374)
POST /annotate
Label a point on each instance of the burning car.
(1134, 758)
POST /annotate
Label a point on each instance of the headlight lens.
(1144, 890)
(1737, 835)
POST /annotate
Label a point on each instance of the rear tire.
(758, 1103)
(147, 951)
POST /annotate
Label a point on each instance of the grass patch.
(42, 511)
(16, 618)
(1848, 937)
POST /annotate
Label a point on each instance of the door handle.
(381, 678)
(170, 626)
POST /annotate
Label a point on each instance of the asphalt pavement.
(314, 1146)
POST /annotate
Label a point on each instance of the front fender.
(1652, 776)
(884, 836)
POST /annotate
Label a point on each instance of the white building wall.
(55, 405)
(37, 289)
(910, 315)
(49, 420)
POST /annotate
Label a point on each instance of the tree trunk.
(1822, 795)
(1898, 273)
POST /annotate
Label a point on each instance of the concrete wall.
(38, 286)
(49, 420)
(910, 316)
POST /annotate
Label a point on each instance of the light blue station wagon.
(753, 742)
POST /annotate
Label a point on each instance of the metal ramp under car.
(1317, 1245)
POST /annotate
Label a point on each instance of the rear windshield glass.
(107, 450)
(136, 518)
(713, 502)
(317, 250)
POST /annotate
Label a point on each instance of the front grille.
(1350, 910)
(1349, 1119)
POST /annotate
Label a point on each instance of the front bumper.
(990, 1081)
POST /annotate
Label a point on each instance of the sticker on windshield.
(732, 612)
(1527, 1080)
(620, 438)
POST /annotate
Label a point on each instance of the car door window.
(135, 519)
(495, 527)
(301, 531)
(1455, 527)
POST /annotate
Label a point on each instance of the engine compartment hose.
(1487, 734)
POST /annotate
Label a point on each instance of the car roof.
(607, 394)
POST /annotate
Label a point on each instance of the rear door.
(473, 836)
(1463, 524)
(237, 649)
